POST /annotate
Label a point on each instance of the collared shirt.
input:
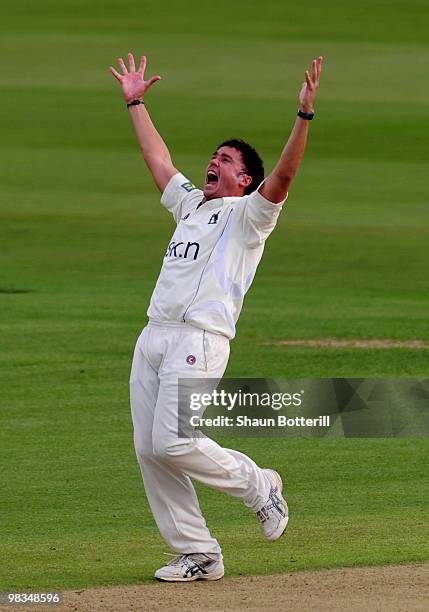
(212, 257)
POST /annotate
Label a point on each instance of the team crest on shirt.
(191, 359)
(188, 186)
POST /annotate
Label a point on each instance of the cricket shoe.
(196, 566)
(274, 516)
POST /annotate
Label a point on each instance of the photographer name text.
(244, 421)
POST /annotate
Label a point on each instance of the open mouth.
(212, 178)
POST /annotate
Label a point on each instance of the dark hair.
(251, 159)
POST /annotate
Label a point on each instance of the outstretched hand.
(310, 85)
(132, 81)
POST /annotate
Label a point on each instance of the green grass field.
(82, 237)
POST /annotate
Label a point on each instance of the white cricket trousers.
(164, 353)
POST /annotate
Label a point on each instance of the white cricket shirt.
(212, 257)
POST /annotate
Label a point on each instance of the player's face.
(226, 174)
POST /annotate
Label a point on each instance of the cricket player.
(208, 267)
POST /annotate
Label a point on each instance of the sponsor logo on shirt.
(188, 186)
(186, 217)
(214, 218)
(179, 249)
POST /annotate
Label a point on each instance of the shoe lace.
(263, 514)
(177, 560)
(188, 560)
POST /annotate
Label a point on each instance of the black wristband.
(307, 116)
(135, 103)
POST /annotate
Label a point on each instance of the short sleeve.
(259, 218)
(179, 196)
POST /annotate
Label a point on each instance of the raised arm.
(276, 186)
(154, 149)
